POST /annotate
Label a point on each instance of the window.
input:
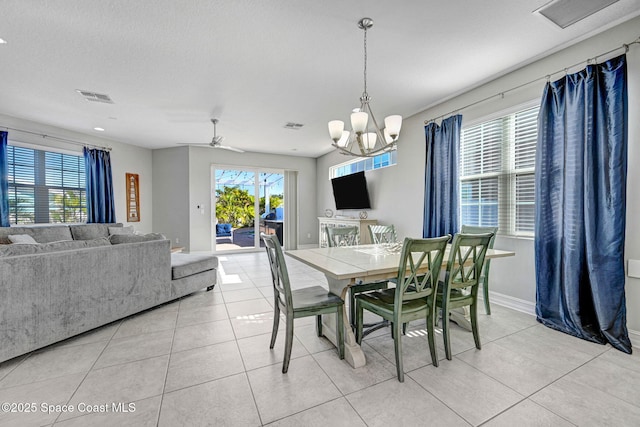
(497, 164)
(45, 187)
(364, 164)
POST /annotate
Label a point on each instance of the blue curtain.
(581, 174)
(441, 189)
(100, 206)
(4, 181)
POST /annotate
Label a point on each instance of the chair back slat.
(419, 268)
(279, 272)
(342, 236)
(383, 234)
(466, 260)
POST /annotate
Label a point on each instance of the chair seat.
(314, 297)
(385, 300)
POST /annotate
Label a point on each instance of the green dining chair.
(472, 229)
(462, 278)
(382, 234)
(413, 297)
(348, 236)
(311, 301)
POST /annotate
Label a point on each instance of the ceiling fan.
(216, 141)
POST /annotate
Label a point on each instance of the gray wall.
(171, 195)
(183, 181)
(125, 158)
(397, 192)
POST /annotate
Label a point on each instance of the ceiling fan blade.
(196, 143)
(226, 147)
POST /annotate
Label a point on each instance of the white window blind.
(45, 187)
(497, 166)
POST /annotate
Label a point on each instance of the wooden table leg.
(353, 353)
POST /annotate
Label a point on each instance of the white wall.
(183, 181)
(125, 158)
(171, 194)
(397, 192)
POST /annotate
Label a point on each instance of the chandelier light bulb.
(369, 140)
(335, 129)
(393, 124)
(344, 139)
(359, 121)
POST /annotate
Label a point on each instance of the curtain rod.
(547, 77)
(69, 141)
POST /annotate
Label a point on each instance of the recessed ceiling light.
(3, 41)
(99, 129)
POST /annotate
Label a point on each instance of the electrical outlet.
(177, 240)
(308, 235)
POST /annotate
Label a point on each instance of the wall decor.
(133, 197)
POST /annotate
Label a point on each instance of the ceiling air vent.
(567, 12)
(294, 126)
(95, 97)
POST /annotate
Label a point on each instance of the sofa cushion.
(22, 239)
(120, 230)
(183, 265)
(50, 233)
(223, 229)
(117, 239)
(89, 231)
(64, 245)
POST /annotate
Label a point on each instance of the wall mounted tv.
(350, 191)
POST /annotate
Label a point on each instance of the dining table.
(345, 266)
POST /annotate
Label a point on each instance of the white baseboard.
(512, 303)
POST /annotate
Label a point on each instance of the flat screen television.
(350, 191)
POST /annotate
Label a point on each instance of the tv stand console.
(362, 224)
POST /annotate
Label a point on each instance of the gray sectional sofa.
(79, 277)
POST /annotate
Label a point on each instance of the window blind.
(45, 187)
(497, 166)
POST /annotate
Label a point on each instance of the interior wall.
(200, 161)
(398, 192)
(171, 195)
(125, 158)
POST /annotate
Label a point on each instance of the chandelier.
(366, 138)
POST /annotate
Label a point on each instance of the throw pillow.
(121, 230)
(22, 239)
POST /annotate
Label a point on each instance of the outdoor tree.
(234, 206)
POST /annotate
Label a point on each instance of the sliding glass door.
(246, 202)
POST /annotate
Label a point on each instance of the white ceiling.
(170, 66)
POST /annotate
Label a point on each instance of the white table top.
(364, 261)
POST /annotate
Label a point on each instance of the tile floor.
(205, 360)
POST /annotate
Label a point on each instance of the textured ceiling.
(170, 66)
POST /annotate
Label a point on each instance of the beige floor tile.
(335, 413)
(225, 402)
(279, 395)
(54, 362)
(586, 405)
(527, 414)
(392, 403)
(256, 353)
(136, 347)
(202, 334)
(202, 364)
(474, 396)
(54, 391)
(188, 316)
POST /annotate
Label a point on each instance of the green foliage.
(66, 207)
(234, 206)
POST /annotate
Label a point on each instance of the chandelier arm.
(365, 62)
